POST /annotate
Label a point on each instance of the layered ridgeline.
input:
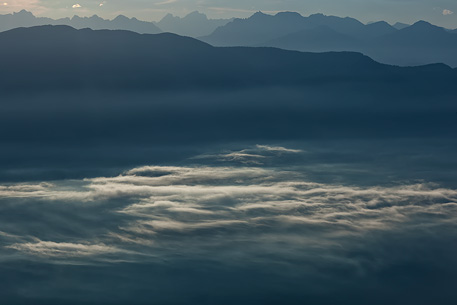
(401, 44)
(70, 97)
(194, 24)
(62, 57)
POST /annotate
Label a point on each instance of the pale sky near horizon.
(439, 12)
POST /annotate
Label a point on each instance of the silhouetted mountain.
(27, 19)
(66, 58)
(194, 24)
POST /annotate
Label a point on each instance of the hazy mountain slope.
(119, 23)
(194, 24)
(421, 43)
(27, 19)
(319, 39)
(347, 25)
(256, 29)
(378, 29)
(400, 25)
(261, 28)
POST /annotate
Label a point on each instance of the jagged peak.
(23, 13)
(317, 15)
(168, 17)
(195, 13)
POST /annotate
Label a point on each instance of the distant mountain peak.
(196, 16)
(378, 23)
(196, 13)
(400, 25)
(422, 23)
(289, 14)
(169, 18)
(259, 14)
(421, 26)
(95, 17)
(23, 13)
(121, 17)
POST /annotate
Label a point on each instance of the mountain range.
(66, 58)
(27, 19)
(401, 44)
(193, 25)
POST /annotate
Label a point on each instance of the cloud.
(279, 149)
(152, 224)
(153, 211)
(55, 249)
(447, 12)
(76, 6)
(258, 155)
(166, 2)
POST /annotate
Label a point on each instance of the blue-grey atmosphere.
(229, 153)
(440, 12)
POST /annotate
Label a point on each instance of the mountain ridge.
(194, 24)
(27, 19)
(418, 44)
(64, 57)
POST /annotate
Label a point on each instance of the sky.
(439, 12)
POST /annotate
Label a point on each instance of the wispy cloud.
(255, 155)
(154, 212)
(166, 2)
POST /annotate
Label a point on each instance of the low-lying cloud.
(220, 221)
(154, 212)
